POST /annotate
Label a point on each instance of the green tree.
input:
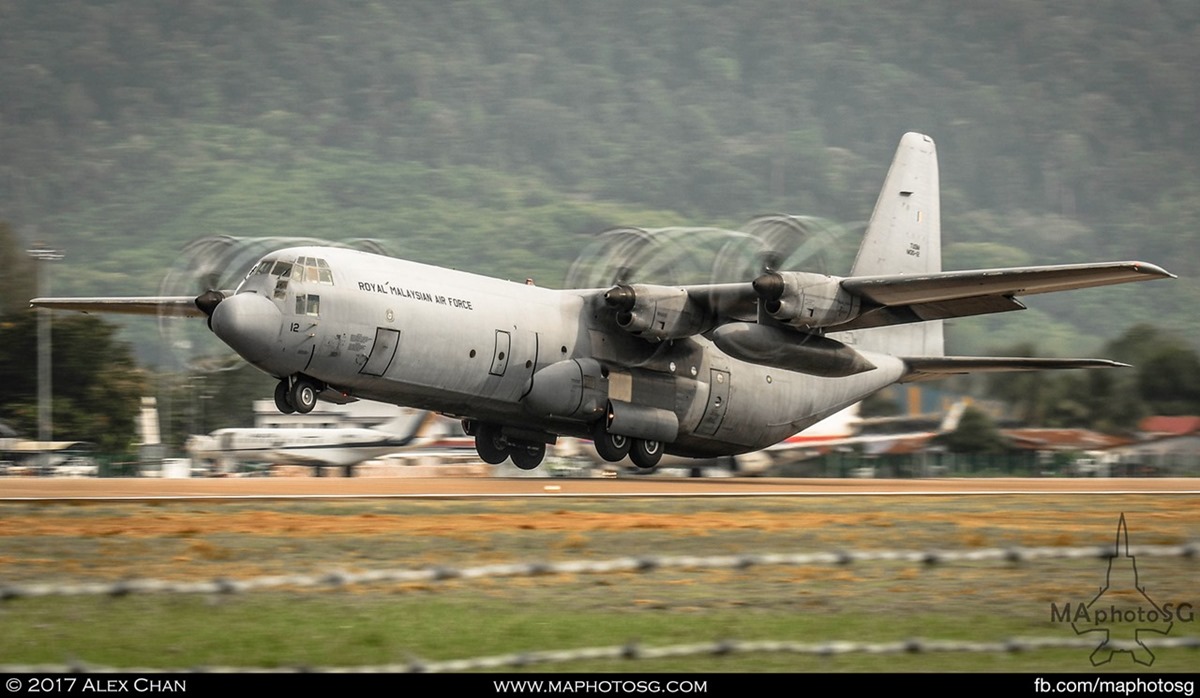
(976, 433)
(1167, 370)
(97, 387)
(1029, 393)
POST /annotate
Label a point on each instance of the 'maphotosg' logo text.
(1122, 609)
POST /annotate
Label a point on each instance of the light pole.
(42, 255)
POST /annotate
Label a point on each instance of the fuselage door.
(718, 402)
(382, 351)
(500, 357)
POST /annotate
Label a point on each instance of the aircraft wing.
(902, 298)
(932, 367)
(659, 312)
(184, 306)
(729, 302)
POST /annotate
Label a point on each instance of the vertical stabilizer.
(904, 236)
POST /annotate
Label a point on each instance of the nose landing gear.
(297, 394)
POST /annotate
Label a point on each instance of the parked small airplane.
(21, 456)
(640, 369)
(341, 447)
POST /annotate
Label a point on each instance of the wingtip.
(1153, 270)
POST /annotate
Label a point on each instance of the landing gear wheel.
(646, 454)
(527, 456)
(490, 445)
(303, 395)
(283, 403)
(611, 447)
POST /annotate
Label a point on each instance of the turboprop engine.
(656, 313)
(806, 300)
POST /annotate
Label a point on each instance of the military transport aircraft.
(640, 369)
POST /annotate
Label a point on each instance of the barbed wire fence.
(631, 651)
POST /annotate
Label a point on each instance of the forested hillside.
(500, 135)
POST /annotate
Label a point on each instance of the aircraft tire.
(303, 395)
(528, 456)
(282, 401)
(645, 454)
(611, 447)
(489, 444)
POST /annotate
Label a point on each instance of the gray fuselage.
(475, 347)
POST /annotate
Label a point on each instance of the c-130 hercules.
(640, 369)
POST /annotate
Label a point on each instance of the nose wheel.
(300, 396)
(283, 403)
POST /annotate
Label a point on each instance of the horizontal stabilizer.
(930, 367)
(183, 306)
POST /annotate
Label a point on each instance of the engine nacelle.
(806, 300)
(656, 313)
(575, 388)
(789, 349)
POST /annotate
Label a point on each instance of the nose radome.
(249, 324)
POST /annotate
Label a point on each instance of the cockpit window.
(316, 270)
(306, 269)
(308, 304)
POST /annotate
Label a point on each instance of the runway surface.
(23, 489)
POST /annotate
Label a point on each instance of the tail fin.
(904, 236)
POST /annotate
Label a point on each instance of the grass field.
(382, 624)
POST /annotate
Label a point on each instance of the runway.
(63, 489)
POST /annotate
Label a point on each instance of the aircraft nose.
(249, 324)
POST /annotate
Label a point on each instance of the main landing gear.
(614, 447)
(494, 447)
(296, 394)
